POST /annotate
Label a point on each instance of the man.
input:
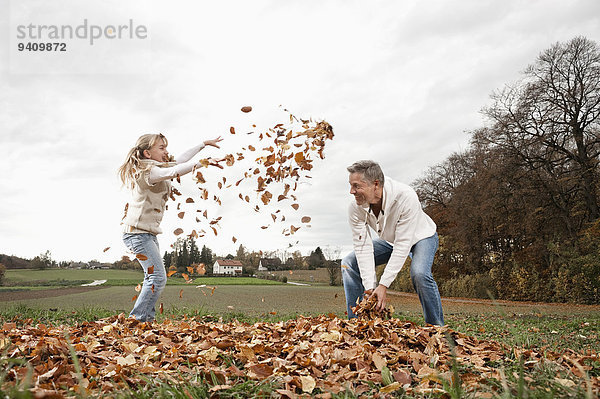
(393, 211)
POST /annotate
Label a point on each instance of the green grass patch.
(54, 278)
(23, 314)
(548, 332)
(71, 274)
(221, 281)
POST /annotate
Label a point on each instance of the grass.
(552, 332)
(27, 279)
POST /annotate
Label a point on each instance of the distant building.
(78, 265)
(227, 266)
(97, 265)
(265, 264)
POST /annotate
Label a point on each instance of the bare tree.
(332, 264)
(551, 121)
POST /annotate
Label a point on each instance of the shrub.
(402, 282)
(478, 285)
(2, 272)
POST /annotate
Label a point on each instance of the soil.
(37, 294)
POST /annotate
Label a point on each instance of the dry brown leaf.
(178, 231)
(305, 219)
(246, 109)
(151, 270)
(141, 256)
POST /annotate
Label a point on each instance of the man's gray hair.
(370, 170)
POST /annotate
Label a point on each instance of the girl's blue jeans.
(147, 244)
(422, 254)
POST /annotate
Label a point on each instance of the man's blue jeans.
(422, 254)
(147, 244)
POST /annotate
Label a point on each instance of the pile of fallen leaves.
(319, 355)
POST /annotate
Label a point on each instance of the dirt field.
(38, 294)
(283, 299)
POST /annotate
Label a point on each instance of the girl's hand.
(213, 142)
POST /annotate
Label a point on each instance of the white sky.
(400, 82)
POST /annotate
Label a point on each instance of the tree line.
(518, 210)
(184, 253)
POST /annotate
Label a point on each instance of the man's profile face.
(363, 191)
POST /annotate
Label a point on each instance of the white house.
(265, 264)
(227, 266)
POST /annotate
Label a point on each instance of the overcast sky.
(401, 82)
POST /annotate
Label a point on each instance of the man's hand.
(213, 142)
(381, 293)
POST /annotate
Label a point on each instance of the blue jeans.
(422, 254)
(147, 244)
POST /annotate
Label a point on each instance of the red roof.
(229, 262)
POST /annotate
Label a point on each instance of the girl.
(147, 171)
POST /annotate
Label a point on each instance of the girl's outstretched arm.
(184, 165)
(189, 154)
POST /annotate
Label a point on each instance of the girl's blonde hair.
(132, 167)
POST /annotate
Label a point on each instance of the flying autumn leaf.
(295, 206)
(134, 298)
(189, 200)
(180, 215)
(141, 256)
(106, 249)
(266, 197)
(232, 130)
(233, 239)
(178, 231)
(306, 219)
(151, 270)
(181, 293)
(172, 272)
(161, 309)
(185, 276)
(246, 109)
